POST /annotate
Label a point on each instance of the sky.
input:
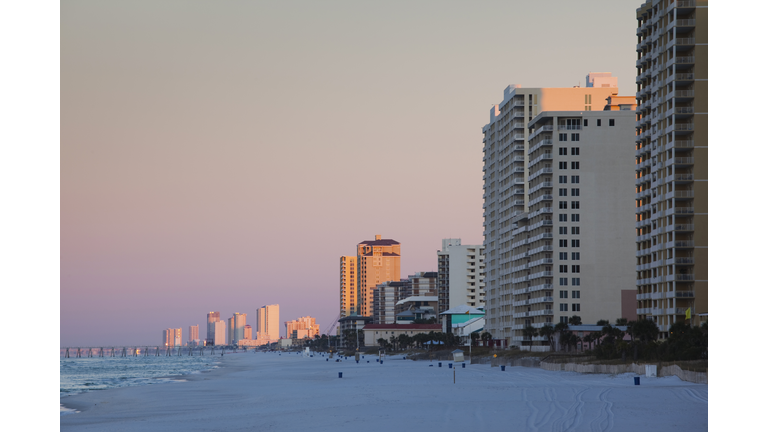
(220, 156)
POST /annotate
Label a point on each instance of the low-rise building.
(374, 332)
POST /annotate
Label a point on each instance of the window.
(575, 243)
(563, 230)
(574, 204)
(564, 268)
(574, 137)
(575, 269)
(575, 217)
(576, 281)
(575, 230)
(564, 243)
(574, 192)
(576, 294)
(586, 122)
(564, 256)
(562, 151)
(563, 137)
(563, 281)
(564, 308)
(563, 204)
(611, 122)
(563, 165)
(574, 151)
(563, 179)
(564, 319)
(563, 294)
(575, 307)
(574, 179)
(574, 165)
(575, 256)
(598, 122)
(563, 192)
(563, 217)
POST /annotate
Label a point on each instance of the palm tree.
(529, 332)
(474, 337)
(574, 320)
(486, 337)
(548, 332)
(621, 321)
(561, 328)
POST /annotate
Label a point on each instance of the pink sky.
(223, 156)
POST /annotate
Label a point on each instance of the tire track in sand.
(531, 420)
(606, 414)
(695, 396)
(550, 412)
(575, 412)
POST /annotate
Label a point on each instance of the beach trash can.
(463, 365)
(450, 365)
(381, 362)
(357, 361)
(503, 368)
(637, 380)
(339, 374)
(367, 361)
(326, 359)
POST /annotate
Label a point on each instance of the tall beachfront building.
(378, 261)
(572, 252)
(194, 333)
(671, 157)
(348, 299)
(213, 318)
(505, 184)
(460, 275)
(268, 322)
(236, 328)
(172, 337)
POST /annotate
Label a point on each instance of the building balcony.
(681, 261)
(680, 178)
(541, 143)
(680, 161)
(540, 199)
(518, 147)
(545, 156)
(683, 23)
(680, 277)
(680, 294)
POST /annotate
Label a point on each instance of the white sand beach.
(288, 392)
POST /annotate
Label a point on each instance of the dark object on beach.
(463, 365)
(637, 380)
(503, 368)
(339, 374)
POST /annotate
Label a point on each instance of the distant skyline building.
(506, 181)
(268, 322)
(303, 327)
(213, 317)
(672, 174)
(171, 337)
(219, 333)
(194, 333)
(248, 332)
(460, 275)
(236, 328)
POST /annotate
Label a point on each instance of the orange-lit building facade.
(378, 261)
(347, 286)
(304, 327)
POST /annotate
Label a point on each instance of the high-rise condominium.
(194, 333)
(236, 328)
(460, 275)
(268, 322)
(348, 300)
(213, 317)
(505, 147)
(378, 261)
(671, 156)
(573, 252)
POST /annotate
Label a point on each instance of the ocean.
(78, 375)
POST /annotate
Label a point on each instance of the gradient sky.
(223, 155)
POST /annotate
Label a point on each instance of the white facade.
(219, 333)
(236, 328)
(461, 275)
(268, 322)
